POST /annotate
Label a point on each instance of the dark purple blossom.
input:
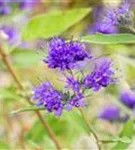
(76, 101)
(46, 95)
(128, 98)
(110, 113)
(101, 76)
(65, 55)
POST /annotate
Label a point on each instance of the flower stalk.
(10, 67)
(90, 129)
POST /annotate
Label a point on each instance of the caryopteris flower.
(112, 18)
(101, 76)
(128, 98)
(124, 16)
(102, 23)
(65, 55)
(76, 101)
(110, 113)
(103, 27)
(46, 95)
(73, 84)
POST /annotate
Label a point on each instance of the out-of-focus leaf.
(25, 58)
(8, 94)
(126, 133)
(3, 146)
(109, 39)
(36, 133)
(117, 139)
(53, 23)
(128, 129)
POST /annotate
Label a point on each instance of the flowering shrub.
(64, 56)
(49, 59)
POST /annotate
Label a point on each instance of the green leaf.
(125, 135)
(53, 23)
(117, 139)
(9, 94)
(36, 133)
(4, 146)
(109, 39)
(31, 108)
(25, 58)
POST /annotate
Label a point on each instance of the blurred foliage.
(127, 131)
(109, 39)
(53, 23)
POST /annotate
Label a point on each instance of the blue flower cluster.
(101, 76)
(128, 98)
(113, 113)
(65, 56)
(49, 97)
(110, 113)
(6, 5)
(113, 18)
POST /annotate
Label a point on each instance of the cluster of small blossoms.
(64, 56)
(101, 76)
(114, 18)
(113, 113)
(49, 97)
(6, 6)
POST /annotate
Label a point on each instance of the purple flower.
(112, 18)
(101, 24)
(4, 9)
(73, 84)
(101, 76)
(128, 98)
(124, 15)
(27, 4)
(76, 101)
(104, 28)
(110, 113)
(65, 55)
(124, 7)
(48, 96)
(11, 33)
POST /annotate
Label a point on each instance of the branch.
(12, 71)
(90, 129)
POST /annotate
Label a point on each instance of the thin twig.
(10, 67)
(90, 129)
